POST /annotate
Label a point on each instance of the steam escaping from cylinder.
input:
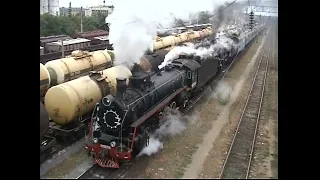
(223, 93)
(174, 124)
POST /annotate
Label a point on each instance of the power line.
(257, 4)
(194, 23)
(203, 20)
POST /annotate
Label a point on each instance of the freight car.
(67, 44)
(49, 39)
(122, 123)
(100, 40)
(90, 34)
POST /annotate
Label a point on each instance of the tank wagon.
(46, 142)
(44, 80)
(80, 63)
(172, 40)
(122, 123)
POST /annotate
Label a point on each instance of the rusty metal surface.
(44, 121)
(91, 34)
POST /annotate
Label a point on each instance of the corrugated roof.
(71, 41)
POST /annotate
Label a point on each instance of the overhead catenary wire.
(190, 24)
(210, 16)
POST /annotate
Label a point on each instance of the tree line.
(56, 25)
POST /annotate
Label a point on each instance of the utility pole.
(81, 20)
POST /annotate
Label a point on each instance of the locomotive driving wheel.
(166, 109)
(173, 105)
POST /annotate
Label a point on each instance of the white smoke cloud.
(131, 31)
(174, 124)
(223, 92)
(133, 24)
(221, 47)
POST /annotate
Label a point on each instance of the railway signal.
(251, 19)
(69, 10)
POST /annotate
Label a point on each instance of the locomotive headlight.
(95, 140)
(113, 144)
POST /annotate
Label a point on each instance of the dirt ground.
(201, 152)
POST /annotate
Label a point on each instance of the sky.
(204, 3)
(179, 8)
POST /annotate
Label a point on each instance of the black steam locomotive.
(121, 124)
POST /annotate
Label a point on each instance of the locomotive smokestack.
(121, 85)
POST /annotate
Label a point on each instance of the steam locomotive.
(122, 123)
(72, 89)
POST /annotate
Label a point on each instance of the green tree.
(204, 17)
(56, 25)
(178, 22)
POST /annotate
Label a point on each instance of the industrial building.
(104, 9)
(49, 6)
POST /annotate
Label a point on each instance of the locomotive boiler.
(122, 123)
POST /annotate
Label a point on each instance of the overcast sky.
(204, 3)
(176, 7)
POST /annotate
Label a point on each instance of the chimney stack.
(121, 85)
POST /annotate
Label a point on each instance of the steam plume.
(221, 48)
(174, 124)
(131, 33)
(223, 92)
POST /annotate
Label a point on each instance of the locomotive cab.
(191, 70)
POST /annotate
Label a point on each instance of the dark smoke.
(226, 15)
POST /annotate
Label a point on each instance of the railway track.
(97, 172)
(238, 161)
